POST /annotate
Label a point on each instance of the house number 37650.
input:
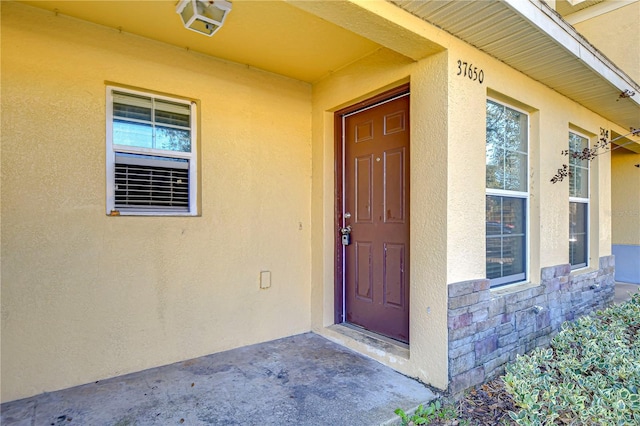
(466, 69)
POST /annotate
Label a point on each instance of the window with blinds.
(151, 161)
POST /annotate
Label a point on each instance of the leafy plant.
(425, 415)
(591, 153)
(589, 376)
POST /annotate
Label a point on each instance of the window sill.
(513, 288)
(582, 271)
(152, 214)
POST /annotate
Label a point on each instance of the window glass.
(507, 194)
(506, 237)
(578, 234)
(173, 139)
(506, 153)
(132, 134)
(151, 123)
(578, 202)
(579, 169)
(151, 163)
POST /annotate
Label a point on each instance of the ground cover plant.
(429, 414)
(590, 374)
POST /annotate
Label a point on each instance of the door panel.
(364, 271)
(376, 194)
(394, 261)
(363, 188)
(394, 183)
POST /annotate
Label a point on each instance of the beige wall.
(448, 185)
(625, 197)
(617, 35)
(372, 75)
(86, 296)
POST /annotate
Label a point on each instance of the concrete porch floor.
(298, 380)
(624, 292)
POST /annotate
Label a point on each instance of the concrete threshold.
(299, 380)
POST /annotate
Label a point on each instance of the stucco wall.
(617, 35)
(448, 185)
(625, 209)
(625, 197)
(369, 76)
(86, 296)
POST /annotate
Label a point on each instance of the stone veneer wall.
(488, 329)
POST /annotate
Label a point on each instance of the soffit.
(269, 35)
(556, 55)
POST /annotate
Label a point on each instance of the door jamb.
(339, 315)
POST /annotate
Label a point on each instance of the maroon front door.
(375, 205)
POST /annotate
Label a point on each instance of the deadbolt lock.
(346, 235)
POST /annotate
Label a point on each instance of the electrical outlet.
(265, 279)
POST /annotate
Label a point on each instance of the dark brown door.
(376, 207)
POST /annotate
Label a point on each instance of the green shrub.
(424, 415)
(590, 375)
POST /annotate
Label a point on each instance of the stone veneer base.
(489, 328)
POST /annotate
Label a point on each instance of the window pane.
(513, 216)
(132, 112)
(513, 256)
(505, 238)
(128, 105)
(577, 144)
(515, 171)
(495, 166)
(132, 134)
(506, 148)
(579, 183)
(578, 234)
(172, 113)
(515, 130)
(173, 139)
(579, 169)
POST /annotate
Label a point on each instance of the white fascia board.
(555, 27)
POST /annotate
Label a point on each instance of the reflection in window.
(147, 122)
(578, 235)
(506, 154)
(507, 194)
(578, 203)
(151, 157)
(506, 240)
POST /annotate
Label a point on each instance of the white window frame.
(509, 280)
(587, 202)
(111, 150)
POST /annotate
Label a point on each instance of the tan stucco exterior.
(606, 30)
(448, 183)
(86, 296)
(625, 197)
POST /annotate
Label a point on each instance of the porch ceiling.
(307, 40)
(512, 31)
(269, 35)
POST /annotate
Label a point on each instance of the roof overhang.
(308, 40)
(532, 38)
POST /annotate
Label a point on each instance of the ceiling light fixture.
(203, 16)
